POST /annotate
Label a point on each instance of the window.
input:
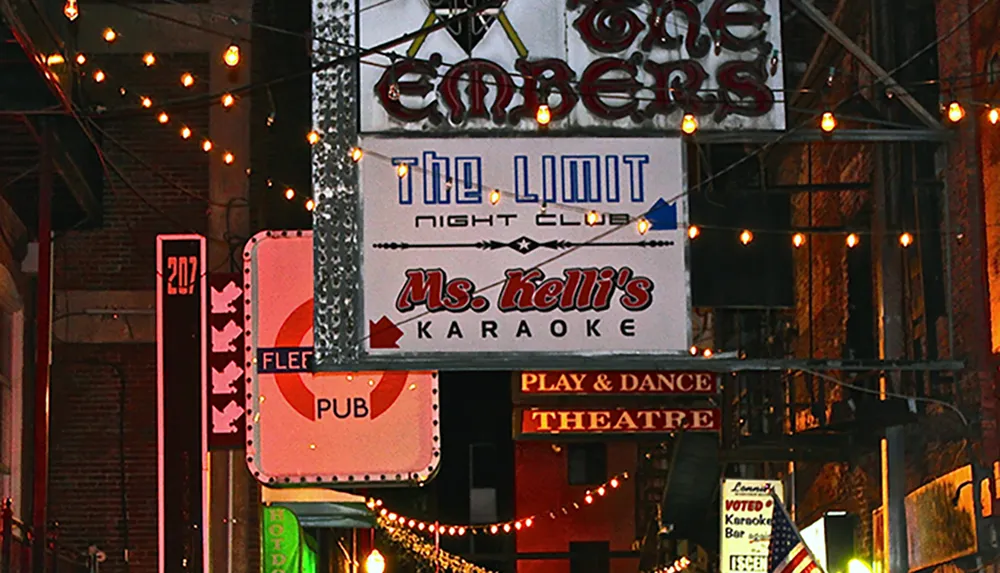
(589, 557)
(588, 464)
(993, 69)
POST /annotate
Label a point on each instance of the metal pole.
(43, 352)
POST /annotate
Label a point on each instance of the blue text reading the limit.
(598, 178)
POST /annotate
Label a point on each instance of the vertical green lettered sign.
(282, 541)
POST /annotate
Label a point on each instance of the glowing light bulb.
(109, 35)
(357, 154)
(146, 102)
(185, 132)
(402, 169)
(689, 123)
(461, 531)
(993, 115)
(643, 225)
(493, 529)
(693, 232)
(494, 196)
(228, 158)
(693, 350)
(528, 522)
(99, 76)
(71, 10)
(149, 59)
(206, 145)
(798, 239)
(518, 525)
(746, 237)
(828, 123)
(506, 528)
(310, 205)
(955, 112)
(375, 563)
(228, 100)
(312, 137)
(906, 239)
(81, 59)
(588, 498)
(187, 80)
(852, 240)
(613, 482)
(544, 115)
(289, 193)
(231, 56)
(593, 217)
(707, 353)
(163, 117)
(55, 60)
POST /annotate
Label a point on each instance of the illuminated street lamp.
(375, 563)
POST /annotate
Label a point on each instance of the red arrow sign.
(384, 334)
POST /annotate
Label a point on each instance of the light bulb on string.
(544, 115)
(993, 115)
(905, 239)
(853, 240)
(55, 60)
(109, 35)
(187, 80)
(185, 132)
(81, 58)
(146, 102)
(643, 225)
(828, 122)
(71, 10)
(231, 56)
(402, 170)
(798, 239)
(707, 353)
(163, 117)
(593, 217)
(99, 76)
(689, 124)
(955, 112)
(149, 59)
(746, 237)
(228, 158)
(206, 145)
(357, 154)
(495, 196)
(693, 232)
(312, 137)
(228, 100)
(310, 205)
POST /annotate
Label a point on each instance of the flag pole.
(778, 503)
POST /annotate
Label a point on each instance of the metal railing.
(17, 542)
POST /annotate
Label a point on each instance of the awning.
(317, 507)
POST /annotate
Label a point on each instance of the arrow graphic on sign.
(384, 334)
(224, 381)
(224, 421)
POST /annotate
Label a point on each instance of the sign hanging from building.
(182, 365)
(554, 265)
(600, 383)
(545, 422)
(308, 428)
(747, 506)
(603, 64)
(226, 352)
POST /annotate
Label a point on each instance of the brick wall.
(86, 458)
(86, 491)
(120, 254)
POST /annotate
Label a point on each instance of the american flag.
(787, 552)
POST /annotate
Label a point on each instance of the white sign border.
(359, 480)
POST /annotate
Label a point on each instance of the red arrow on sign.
(384, 334)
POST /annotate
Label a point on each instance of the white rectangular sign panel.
(746, 512)
(597, 64)
(446, 272)
(323, 428)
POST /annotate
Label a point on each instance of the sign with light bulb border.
(538, 253)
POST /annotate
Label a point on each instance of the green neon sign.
(282, 541)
